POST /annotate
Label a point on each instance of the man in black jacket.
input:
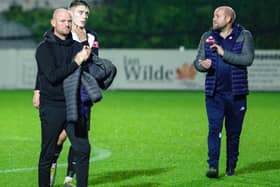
(101, 70)
(57, 57)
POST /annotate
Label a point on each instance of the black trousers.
(81, 132)
(53, 121)
(81, 150)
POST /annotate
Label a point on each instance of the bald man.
(224, 53)
(58, 56)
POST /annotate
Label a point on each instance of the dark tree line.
(164, 23)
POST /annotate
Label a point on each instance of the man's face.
(80, 15)
(62, 23)
(220, 20)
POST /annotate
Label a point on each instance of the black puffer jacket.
(100, 74)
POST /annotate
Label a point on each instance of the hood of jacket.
(50, 37)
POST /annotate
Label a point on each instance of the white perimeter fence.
(144, 69)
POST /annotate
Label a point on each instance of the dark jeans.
(52, 122)
(233, 110)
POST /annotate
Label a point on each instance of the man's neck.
(60, 36)
(226, 31)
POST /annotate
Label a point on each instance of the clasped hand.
(207, 62)
(83, 55)
(218, 48)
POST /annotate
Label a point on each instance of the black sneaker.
(212, 173)
(230, 172)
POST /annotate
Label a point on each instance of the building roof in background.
(31, 4)
(11, 29)
(15, 35)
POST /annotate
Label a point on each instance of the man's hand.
(218, 48)
(81, 33)
(82, 55)
(205, 63)
(36, 99)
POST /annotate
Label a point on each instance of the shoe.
(230, 172)
(53, 173)
(212, 173)
(69, 184)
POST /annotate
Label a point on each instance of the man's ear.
(71, 12)
(52, 22)
(229, 19)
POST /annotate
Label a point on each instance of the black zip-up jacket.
(55, 62)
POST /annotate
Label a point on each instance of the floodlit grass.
(156, 138)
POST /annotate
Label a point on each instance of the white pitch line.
(101, 154)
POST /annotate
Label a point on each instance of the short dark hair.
(78, 3)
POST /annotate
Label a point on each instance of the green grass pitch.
(145, 139)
